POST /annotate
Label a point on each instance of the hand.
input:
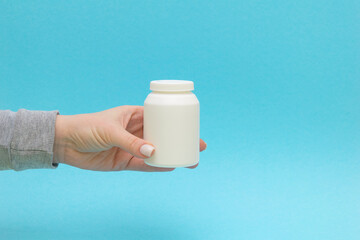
(104, 141)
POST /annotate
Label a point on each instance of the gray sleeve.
(27, 139)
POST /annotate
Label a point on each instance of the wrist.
(60, 142)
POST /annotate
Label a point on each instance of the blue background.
(279, 87)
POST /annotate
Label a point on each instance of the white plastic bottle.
(172, 123)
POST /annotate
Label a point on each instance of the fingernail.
(147, 150)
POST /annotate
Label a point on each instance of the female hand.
(104, 141)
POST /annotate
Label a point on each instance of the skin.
(104, 141)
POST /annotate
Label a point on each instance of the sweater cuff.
(32, 143)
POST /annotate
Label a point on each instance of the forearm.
(27, 139)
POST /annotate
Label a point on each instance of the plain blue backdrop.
(279, 87)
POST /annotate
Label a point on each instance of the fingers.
(132, 144)
(192, 167)
(138, 164)
(135, 145)
(202, 145)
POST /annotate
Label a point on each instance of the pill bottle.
(172, 123)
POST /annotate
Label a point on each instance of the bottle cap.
(171, 85)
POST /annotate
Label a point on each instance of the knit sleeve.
(27, 139)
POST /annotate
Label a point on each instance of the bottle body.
(172, 125)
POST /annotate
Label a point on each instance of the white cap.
(171, 85)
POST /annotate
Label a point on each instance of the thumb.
(132, 144)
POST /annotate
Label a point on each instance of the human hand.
(104, 141)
